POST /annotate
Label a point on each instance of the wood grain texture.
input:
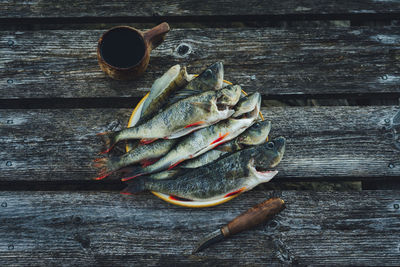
(349, 61)
(188, 8)
(105, 228)
(324, 142)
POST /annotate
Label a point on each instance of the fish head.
(216, 73)
(256, 134)
(229, 95)
(211, 78)
(266, 156)
(250, 103)
(256, 107)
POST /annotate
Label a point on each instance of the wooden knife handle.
(256, 215)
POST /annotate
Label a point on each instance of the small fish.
(197, 143)
(162, 89)
(182, 117)
(254, 135)
(144, 154)
(229, 176)
(210, 79)
(247, 104)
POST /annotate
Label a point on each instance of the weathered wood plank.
(336, 142)
(97, 229)
(349, 61)
(188, 8)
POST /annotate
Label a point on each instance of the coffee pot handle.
(154, 37)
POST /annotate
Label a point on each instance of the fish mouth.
(263, 169)
(262, 174)
(221, 107)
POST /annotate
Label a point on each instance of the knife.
(254, 216)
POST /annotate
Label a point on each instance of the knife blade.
(254, 216)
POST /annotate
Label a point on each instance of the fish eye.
(270, 145)
(208, 73)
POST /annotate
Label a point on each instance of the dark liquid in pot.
(122, 48)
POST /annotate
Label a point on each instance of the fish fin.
(183, 131)
(126, 193)
(107, 166)
(175, 164)
(220, 138)
(102, 176)
(109, 139)
(182, 94)
(104, 172)
(101, 163)
(148, 162)
(131, 172)
(195, 124)
(124, 179)
(135, 186)
(224, 148)
(166, 174)
(235, 192)
(146, 141)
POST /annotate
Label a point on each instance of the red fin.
(219, 144)
(126, 193)
(102, 133)
(148, 162)
(235, 192)
(175, 164)
(172, 197)
(108, 150)
(194, 124)
(108, 139)
(146, 141)
(102, 176)
(131, 177)
(220, 138)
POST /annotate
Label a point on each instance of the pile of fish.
(194, 138)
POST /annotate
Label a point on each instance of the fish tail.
(103, 173)
(105, 166)
(135, 186)
(131, 172)
(109, 139)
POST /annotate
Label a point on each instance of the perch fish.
(175, 78)
(182, 117)
(232, 175)
(145, 154)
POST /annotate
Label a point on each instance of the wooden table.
(54, 99)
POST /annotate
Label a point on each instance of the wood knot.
(76, 219)
(83, 240)
(183, 50)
